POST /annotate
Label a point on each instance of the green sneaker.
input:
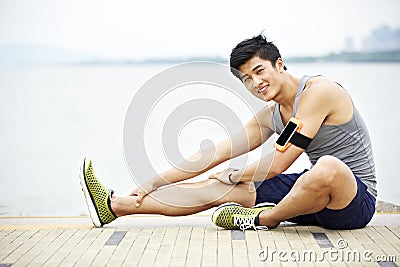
(96, 195)
(234, 216)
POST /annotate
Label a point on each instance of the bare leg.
(330, 183)
(186, 199)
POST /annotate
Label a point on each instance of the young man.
(338, 192)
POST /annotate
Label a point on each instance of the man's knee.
(328, 169)
(328, 174)
(322, 176)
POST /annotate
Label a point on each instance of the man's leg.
(329, 184)
(174, 200)
(185, 199)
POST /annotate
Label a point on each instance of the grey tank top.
(349, 142)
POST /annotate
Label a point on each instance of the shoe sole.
(88, 197)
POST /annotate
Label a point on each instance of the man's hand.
(225, 176)
(141, 192)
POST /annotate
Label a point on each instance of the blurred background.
(69, 69)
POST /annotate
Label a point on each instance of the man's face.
(260, 78)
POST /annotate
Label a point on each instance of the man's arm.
(255, 132)
(314, 107)
(251, 136)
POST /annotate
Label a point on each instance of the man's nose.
(257, 81)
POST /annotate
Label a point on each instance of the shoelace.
(248, 223)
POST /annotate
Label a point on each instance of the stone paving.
(192, 241)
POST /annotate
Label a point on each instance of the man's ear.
(279, 64)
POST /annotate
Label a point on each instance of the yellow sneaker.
(96, 195)
(234, 216)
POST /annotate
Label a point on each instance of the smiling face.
(261, 78)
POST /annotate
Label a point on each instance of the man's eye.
(259, 71)
(246, 80)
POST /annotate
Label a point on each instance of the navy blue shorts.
(356, 215)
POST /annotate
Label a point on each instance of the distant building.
(349, 45)
(382, 39)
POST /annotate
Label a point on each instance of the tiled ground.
(190, 241)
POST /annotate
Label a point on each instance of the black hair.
(249, 48)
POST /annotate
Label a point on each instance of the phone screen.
(286, 133)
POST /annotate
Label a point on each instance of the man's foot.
(96, 195)
(234, 216)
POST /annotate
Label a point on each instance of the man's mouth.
(263, 90)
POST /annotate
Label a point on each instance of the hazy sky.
(142, 29)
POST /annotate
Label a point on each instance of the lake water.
(51, 118)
